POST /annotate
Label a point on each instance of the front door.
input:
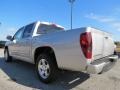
(14, 45)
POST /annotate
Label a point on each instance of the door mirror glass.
(9, 38)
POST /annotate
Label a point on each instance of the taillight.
(86, 44)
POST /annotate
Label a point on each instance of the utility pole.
(71, 13)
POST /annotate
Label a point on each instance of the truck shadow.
(24, 73)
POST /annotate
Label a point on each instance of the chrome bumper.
(100, 65)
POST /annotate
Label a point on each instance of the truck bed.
(68, 51)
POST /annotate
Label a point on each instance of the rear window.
(43, 29)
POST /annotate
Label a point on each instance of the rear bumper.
(102, 65)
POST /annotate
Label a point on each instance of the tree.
(117, 43)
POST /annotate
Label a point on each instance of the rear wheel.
(46, 68)
(7, 57)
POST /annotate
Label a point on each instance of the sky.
(101, 14)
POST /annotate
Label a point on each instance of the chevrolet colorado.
(50, 48)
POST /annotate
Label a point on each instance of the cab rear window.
(43, 29)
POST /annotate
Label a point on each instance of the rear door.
(25, 42)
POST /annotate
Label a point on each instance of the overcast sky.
(101, 14)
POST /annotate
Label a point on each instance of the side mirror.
(9, 38)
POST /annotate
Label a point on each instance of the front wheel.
(7, 57)
(46, 68)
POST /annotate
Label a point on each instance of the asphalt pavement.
(19, 75)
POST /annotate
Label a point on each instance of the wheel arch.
(47, 50)
(6, 47)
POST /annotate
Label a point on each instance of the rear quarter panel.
(66, 45)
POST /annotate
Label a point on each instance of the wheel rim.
(43, 68)
(6, 55)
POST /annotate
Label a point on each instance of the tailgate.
(103, 44)
(108, 45)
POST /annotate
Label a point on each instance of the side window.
(28, 31)
(19, 34)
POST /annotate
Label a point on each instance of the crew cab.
(50, 48)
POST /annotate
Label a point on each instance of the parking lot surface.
(19, 75)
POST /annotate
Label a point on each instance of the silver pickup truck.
(50, 48)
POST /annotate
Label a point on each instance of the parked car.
(50, 48)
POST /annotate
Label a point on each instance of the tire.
(7, 57)
(115, 53)
(46, 68)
